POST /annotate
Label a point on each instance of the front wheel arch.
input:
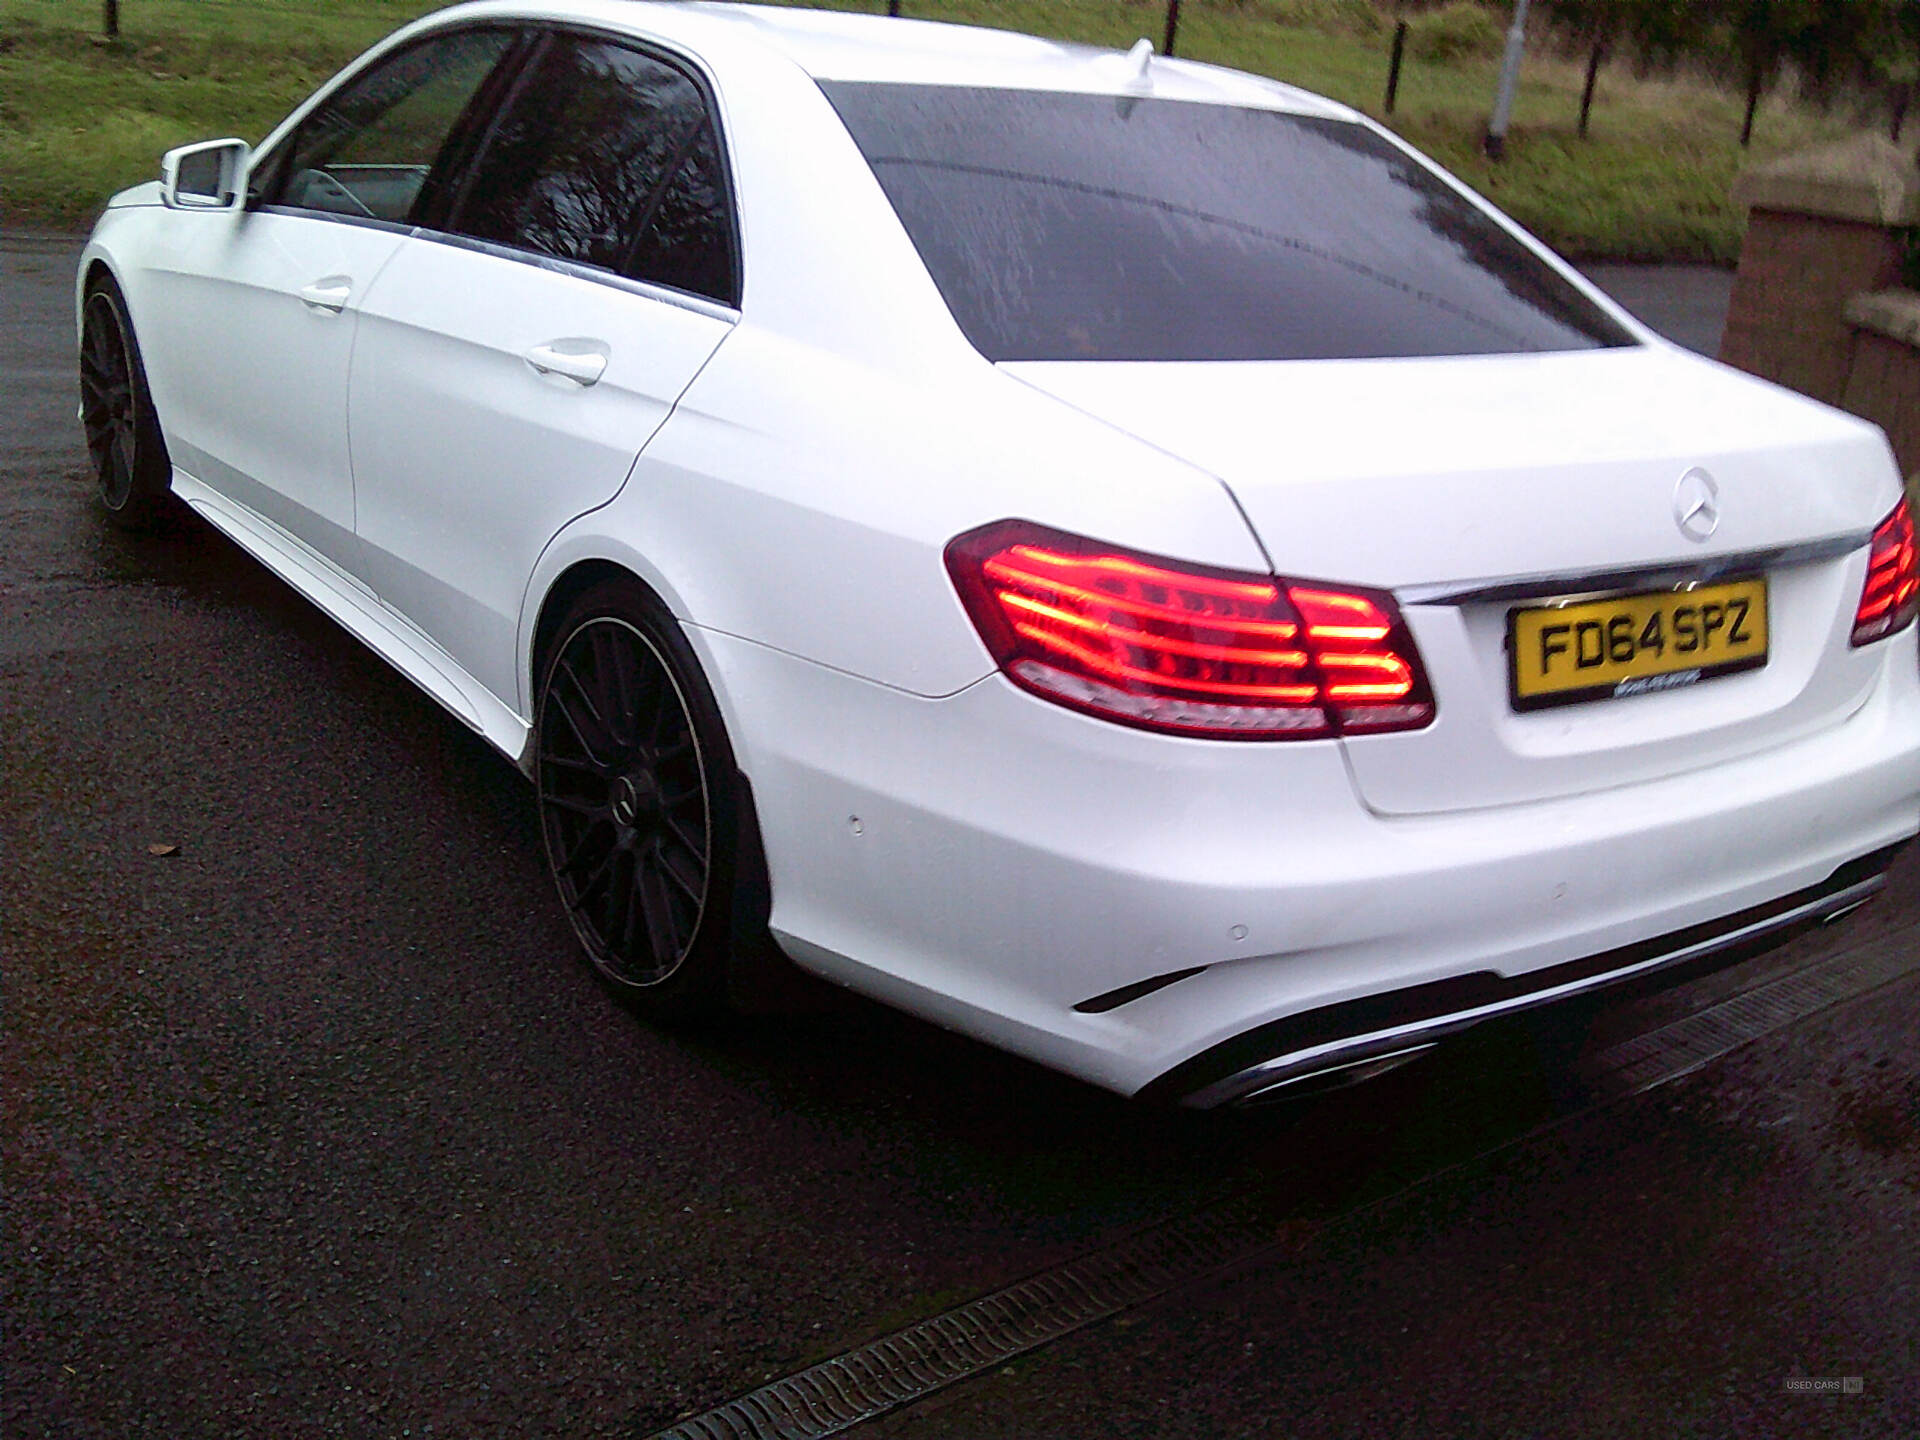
(96, 272)
(125, 440)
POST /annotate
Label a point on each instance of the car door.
(265, 299)
(513, 362)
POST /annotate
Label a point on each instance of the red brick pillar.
(1822, 227)
(1883, 384)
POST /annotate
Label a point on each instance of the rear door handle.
(583, 361)
(329, 294)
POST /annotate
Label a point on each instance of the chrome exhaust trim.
(1346, 1061)
(1334, 1077)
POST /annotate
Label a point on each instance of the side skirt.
(357, 610)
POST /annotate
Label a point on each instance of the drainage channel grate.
(910, 1364)
(1644, 1061)
(897, 1369)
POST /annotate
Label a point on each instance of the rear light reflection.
(1186, 649)
(1891, 597)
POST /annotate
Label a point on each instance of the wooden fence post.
(1393, 64)
(1593, 76)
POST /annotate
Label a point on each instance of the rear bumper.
(1371, 1034)
(1129, 908)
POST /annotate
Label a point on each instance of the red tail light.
(1892, 595)
(1186, 649)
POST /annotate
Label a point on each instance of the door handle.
(329, 294)
(582, 366)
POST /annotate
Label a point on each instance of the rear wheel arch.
(756, 976)
(602, 564)
(567, 587)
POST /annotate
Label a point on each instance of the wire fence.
(108, 17)
(1862, 63)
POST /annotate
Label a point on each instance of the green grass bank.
(80, 118)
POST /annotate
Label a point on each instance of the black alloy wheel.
(116, 410)
(636, 803)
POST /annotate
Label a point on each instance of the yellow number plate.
(1634, 644)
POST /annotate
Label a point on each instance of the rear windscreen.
(1094, 227)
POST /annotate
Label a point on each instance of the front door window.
(370, 147)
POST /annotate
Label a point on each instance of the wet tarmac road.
(316, 1127)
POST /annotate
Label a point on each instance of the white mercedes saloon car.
(1118, 557)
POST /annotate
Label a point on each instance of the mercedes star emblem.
(1696, 505)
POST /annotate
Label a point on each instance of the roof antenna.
(1138, 59)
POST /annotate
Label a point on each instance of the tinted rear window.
(1087, 227)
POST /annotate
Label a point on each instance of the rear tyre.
(639, 808)
(130, 463)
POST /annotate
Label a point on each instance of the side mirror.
(209, 176)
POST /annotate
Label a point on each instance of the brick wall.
(1883, 385)
(1787, 318)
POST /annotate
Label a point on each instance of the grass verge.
(80, 119)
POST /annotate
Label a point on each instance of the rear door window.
(607, 157)
(1077, 227)
(368, 149)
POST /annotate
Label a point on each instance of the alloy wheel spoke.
(600, 872)
(663, 715)
(605, 649)
(625, 685)
(579, 734)
(634, 916)
(103, 349)
(577, 807)
(675, 829)
(585, 697)
(658, 906)
(689, 888)
(102, 390)
(123, 453)
(569, 763)
(578, 848)
(616, 916)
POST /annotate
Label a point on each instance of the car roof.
(839, 45)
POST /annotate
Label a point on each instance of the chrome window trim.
(1667, 576)
(646, 289)
(365, 222)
